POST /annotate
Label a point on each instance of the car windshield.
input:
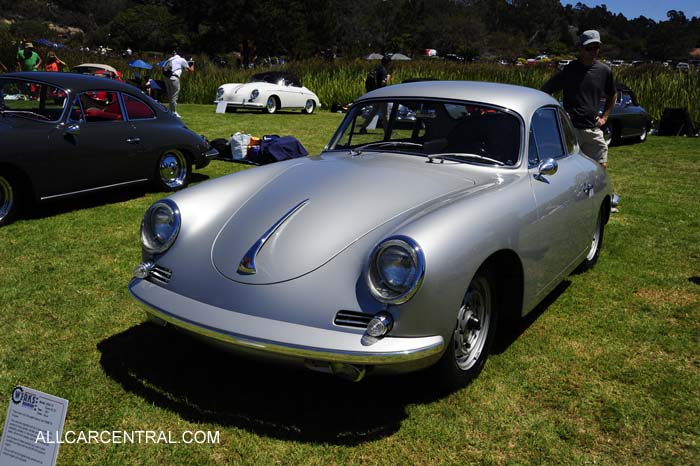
(32, 100)
(465, 131)
(281, 79)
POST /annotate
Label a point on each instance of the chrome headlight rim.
(149, 240)
(254, 95)
(220, 93)
(378, 287)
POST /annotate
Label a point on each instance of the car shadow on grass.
(205, 384)
(510, 332)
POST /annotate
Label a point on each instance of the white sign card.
(33, 428)
(221, 106)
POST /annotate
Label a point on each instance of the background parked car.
(65, 134)
(270, 91)
(628, 120)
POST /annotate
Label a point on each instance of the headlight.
(219, 93)
(396, 269)
(160, 226)
(254, 95)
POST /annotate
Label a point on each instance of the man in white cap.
(172, 70)
(585, 82)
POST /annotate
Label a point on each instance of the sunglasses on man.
(592, 48)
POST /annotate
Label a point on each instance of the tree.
(146, 27)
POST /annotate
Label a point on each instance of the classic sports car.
(66, 134)
(98, 69)
(393, 250)
(269, 91)
(628, 120)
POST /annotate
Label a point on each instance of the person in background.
(172, 70)
(54, 63)
(381, 79)
(585, 81)
(27, 58)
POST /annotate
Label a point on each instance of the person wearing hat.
(585, 81)
(27, 58)
(54, 63)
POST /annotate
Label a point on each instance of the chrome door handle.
(587, 188)
(133, 140)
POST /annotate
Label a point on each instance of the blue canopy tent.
(138, 63)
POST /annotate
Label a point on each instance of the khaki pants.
(172, 85)
(592, 143)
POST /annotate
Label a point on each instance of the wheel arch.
(20, 176)
(507, 271)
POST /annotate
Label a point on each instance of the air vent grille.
(352, 319)
(161, 274)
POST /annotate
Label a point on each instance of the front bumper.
(243, 103)
(286, 340)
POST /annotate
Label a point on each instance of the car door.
(561, 233)
(95, 148)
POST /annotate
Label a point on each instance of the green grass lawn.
(607, 371)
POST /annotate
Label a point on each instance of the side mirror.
(546, 167)
(72, 130)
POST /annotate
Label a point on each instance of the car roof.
(522, 100)
(72, 81)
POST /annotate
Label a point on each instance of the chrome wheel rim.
(473, 321)
(643, 136)
(6, 198)
(309, 107)
(595, 242)
(271, 105)
(173, 169)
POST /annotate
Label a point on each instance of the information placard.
(33, 428)
(221, 106)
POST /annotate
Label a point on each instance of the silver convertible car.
(399, 247)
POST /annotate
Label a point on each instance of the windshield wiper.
(358, 150)
(460, 156)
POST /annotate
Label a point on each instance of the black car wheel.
(309, 107)
(477, 319)
(173, 171)
(607, 134)
(271, 105)
(8, 200)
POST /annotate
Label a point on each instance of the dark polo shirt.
(584, 86)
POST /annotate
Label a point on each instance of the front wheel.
(173, 171)
(473, 335)
(643, 134)
(8, 200)
(596, 245)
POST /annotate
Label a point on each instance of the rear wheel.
(596, 245)
(8, 200)
(476, 322)
(271, 105)
(173, 171)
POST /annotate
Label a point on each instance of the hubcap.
(173, 169)
(309, 106)
(271, 105)
(473, 322)
(607, 135)
(596, 240)
(6, 198)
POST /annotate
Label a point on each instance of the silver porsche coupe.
(404, 245)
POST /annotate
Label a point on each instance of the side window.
(545, 125)
(533, 158)
(101, 106)
(569, 133)
(137, 109)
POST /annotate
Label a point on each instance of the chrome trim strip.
(301, 352)
(210, 153)
(94, 189)
(247, 264)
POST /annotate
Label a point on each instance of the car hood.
(319, 206)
